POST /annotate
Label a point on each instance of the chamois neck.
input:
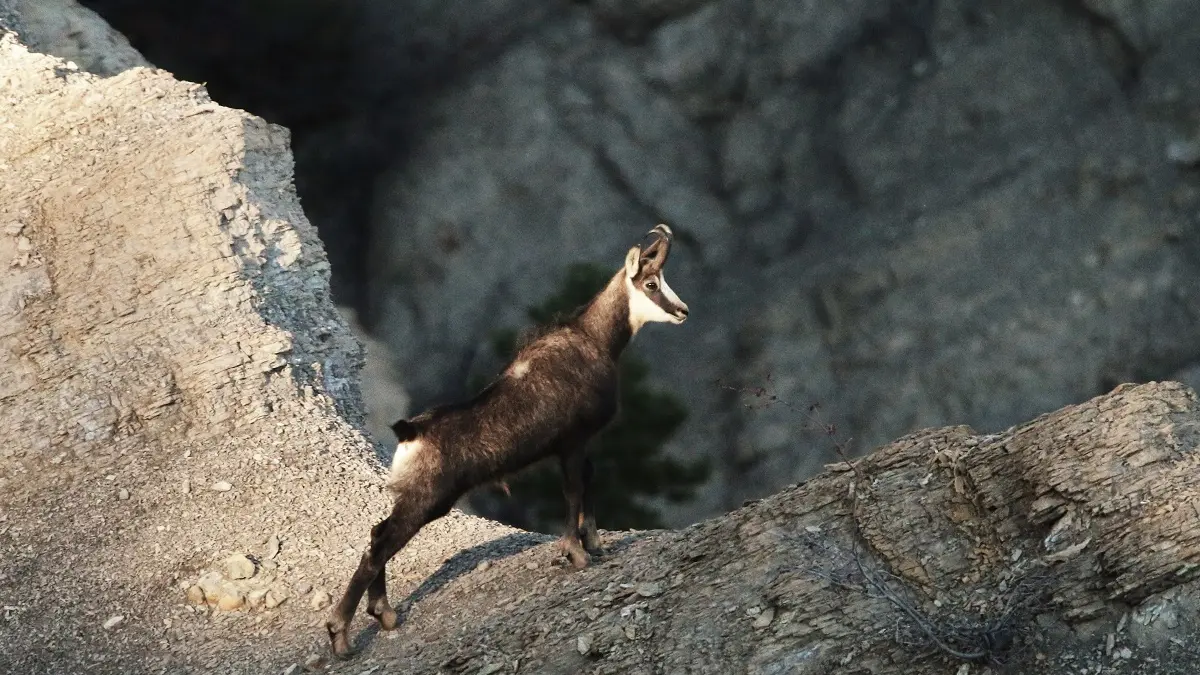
(606, 317)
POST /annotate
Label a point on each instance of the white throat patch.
(642, 309)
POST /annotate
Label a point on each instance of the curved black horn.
(660, 247)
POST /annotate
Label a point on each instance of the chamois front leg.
(572, 462)
(587, 517)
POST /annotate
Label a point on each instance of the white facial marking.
(519, 369)
(402, 461)
(643, 310)
(674, 299)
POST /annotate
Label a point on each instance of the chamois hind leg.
(587, 517)
(572, 462)
(377, 600)
(387, 538)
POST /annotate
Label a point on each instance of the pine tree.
(629, 463)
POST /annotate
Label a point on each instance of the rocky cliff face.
(913, 213)
(175, 384)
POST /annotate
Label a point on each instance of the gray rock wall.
(75, 34)
(913, 213)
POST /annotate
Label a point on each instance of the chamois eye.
(652, 285)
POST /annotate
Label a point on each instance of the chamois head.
(650, 298)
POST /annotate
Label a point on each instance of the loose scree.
(559, 390)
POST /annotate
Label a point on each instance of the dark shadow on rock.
(464, 561)
(458, 565)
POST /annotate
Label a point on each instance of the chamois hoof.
(386, 617)
(574, 551)
(339, 643)
(579, 559)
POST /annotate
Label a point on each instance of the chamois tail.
(405, 431)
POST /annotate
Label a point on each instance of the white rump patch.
(519, 369)
(404, 461)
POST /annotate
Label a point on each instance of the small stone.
(593, 613)
(14, 228)
(583, 644)
(113, 621)
(290, 669)
(312, 662)
(630, 631)
(764, 618)
(238, 566)
(483, 565)
(303, 588)
(222, 486)
(256, 597)
(195, 595)
(320, 600)
(187, 486)
(491, 668)
(231, 601)
(212, 586)
(274, 598)
(266, 571)
(531, 566)
(123, 494)
(273, 546)
(649, 589)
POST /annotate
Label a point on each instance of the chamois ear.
(633, 262)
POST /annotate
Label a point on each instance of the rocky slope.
(177, 386)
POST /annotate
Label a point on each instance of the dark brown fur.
(558, 392)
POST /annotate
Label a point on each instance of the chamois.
(558, 392)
